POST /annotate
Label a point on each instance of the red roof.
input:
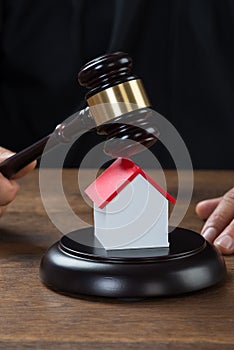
(115, 178)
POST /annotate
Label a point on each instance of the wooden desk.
(34, 317)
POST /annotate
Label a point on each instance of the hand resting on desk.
(219, 226)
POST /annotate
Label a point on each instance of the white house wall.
(136, 218)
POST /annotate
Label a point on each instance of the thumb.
(5, 153)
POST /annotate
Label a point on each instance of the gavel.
(117, 107)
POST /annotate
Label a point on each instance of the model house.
(130, 208)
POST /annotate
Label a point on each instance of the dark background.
(182, 49)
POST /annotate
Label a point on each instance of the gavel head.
(118, 104)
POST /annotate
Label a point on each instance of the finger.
(25, 170)
(225, 241)
(205, 208)
(220, 217)
(8, 190)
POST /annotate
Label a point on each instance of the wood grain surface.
(34, 317)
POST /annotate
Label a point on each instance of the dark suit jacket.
(183, 50)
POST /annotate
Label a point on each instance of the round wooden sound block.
(78, 265)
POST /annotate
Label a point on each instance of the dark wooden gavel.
(117, 108)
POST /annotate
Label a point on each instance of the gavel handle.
(18, 161)
(78, 123)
